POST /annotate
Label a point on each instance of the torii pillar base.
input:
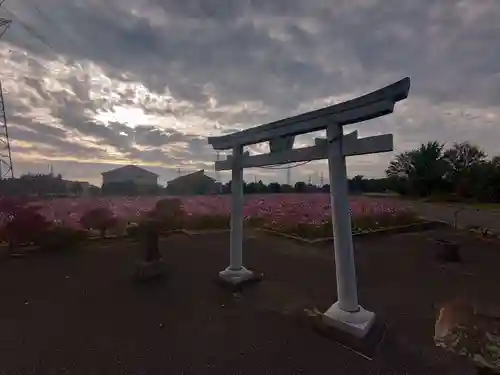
(238, 279)
(361, 331)
(356, 323)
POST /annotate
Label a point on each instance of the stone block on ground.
(238, 284)
(366, 346)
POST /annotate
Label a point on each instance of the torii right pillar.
(346, 314)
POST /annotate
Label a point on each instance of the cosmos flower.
(280, 210)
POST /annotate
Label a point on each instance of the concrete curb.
(202, 232)
(417, 227)
(384, 231)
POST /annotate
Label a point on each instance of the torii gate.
(345, 314)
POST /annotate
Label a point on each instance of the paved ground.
(81, 314)
(463, 215)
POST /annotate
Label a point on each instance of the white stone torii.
(345, 314)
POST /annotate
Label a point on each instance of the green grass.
(486, 206)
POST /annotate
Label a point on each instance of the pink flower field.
(278, 209)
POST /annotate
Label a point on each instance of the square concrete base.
(356, 323)
(236, 280)
(343, 333)
(150, 270)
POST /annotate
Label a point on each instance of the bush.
(22, 223)
(100, 219)
(169, 207)
(169, 213)
(58, 238)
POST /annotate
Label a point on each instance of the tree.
(402, 166)
(486, 177)
(274, 187)
(357, 184)
(285, 188)
(300, 187)
(42, 185)
(261, 187)
(100, 219)
(400, 171)
(22, 222)
(76, 189)
(462, 156)
(419, 171)
(463, 160)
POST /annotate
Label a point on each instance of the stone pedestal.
(237, 279)
(356, 323)
(360, 331)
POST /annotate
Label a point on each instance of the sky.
(90, 85)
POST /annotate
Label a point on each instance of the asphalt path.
(464, 216)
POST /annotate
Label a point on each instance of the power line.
(54, 24)
(4, 25)
(30, 30)
(288, 167)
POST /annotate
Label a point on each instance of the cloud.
(146, 81)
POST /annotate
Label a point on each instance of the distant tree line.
(357, 185)
(36, 185)
(460, 172)
(43, 186)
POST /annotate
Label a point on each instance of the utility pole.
(217, 176)
(6, 167)
(289, 176)
(321, 179)
(217, 173)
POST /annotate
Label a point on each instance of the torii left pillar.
(235, 273)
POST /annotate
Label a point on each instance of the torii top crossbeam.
(375, 104)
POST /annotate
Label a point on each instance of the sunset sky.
(90, 85)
